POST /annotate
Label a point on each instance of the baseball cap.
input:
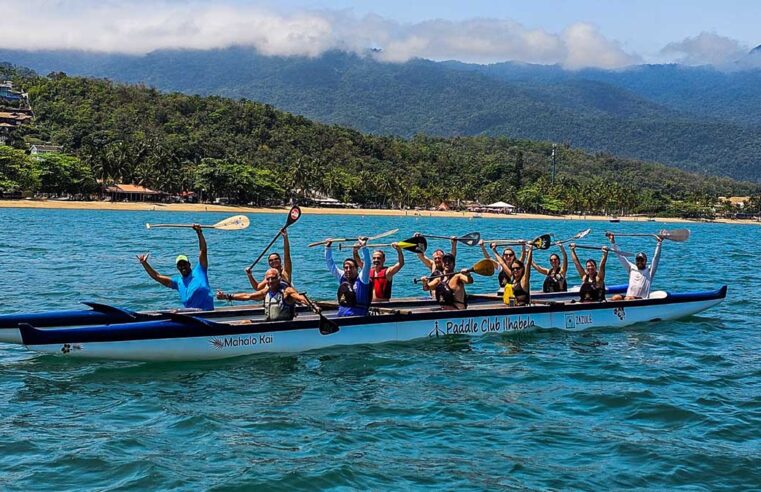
(181, 258)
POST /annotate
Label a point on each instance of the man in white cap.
(192, 283)
(640, 275)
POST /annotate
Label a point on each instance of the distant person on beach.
(381, 276)
(592, 280)
(279, 298)
(192, 283)
(640, 275)
(354, 285)
(449, 289)
(284, 267)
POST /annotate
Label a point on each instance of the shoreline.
(196, 207)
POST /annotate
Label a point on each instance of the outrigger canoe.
(104, 314)
(185, 337)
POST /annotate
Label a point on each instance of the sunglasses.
(516, 269)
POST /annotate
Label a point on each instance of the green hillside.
(253, 152)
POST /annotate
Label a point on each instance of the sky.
(572, 33)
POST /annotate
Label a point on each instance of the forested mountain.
(252, 152)
(699, 119)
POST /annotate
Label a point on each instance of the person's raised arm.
(291, 293)
(357, 259)
(251, 279)
(523, 252)
(628, 265)
(576, 261)
(287, 265)
(162, 279)
(464, 276)
(526, 280)
(564, 265)
(540, 269)
(499, 261)
(603, 261)
(364, 274)
(656, 258)
(394, 269)
(454, 245)
(203, 256)
(332, 268)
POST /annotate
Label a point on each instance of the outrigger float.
(187, 337)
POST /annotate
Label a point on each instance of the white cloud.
(141, 26)
(705, 49)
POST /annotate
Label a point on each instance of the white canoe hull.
(223, 341)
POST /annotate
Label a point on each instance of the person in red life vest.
(380, 275)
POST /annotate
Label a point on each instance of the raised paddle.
(579, 235)
(599, 248)
(483, 267)
(293, 215)
(416, 244)
(468, 239)
(230, 224)
(350, 239)
(678, 235)
(542, 242)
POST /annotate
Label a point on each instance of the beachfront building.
(133, 193)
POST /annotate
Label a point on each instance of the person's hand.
(221, 295)
(143, 259)
(605, 250)
(481, 242)
(328, 243)
(283, 232)
(659, 239)
(396, 246)
(572, 246)
(523, 241)
(248, 270)
(465, 271)
(361, 243)
(197, 227)
(559, 244)
(417, 234)
(493, 246)
(453, 239)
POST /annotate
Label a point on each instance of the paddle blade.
(470, 239)
(232, 223)
(416, 244)
(542, 242)
(326, 326)
(387, 233)
(583, 234)
(293, 216)
(678, 235)
(484, 267)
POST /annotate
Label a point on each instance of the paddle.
(350, 239)
(599, 248)
(678, 235)
(483, 267)
(326, 326)
(468, 239)
(293, 215)
(542, 242)
(416, 244)
(229, 224)
(579, 235)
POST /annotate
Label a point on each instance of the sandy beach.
(196, 207)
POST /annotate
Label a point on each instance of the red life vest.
(380, 283)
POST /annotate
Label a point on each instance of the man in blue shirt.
(192, 283)
(354, 288)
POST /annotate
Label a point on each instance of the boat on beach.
(104, 314)
(186, 337)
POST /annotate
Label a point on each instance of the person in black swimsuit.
(592, 280)
(522, 279)
(555, 275)
(450, 289)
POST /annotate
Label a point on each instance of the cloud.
(705, 49)
(141, 26)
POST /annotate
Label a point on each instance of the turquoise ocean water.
(659, 406)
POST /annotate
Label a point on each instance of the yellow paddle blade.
(232, 223)
(484, 267)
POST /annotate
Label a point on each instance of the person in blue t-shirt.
(192, 283)
(354, 285)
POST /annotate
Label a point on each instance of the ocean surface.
(672, 405)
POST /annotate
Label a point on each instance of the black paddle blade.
(293, 215)
(326, 326)
(416, 244)
(470, 239)
(542, 242)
